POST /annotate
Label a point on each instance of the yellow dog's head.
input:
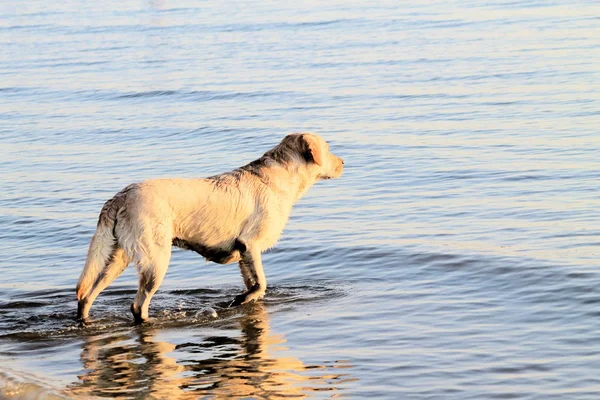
(312, 150)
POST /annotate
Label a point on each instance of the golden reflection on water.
(247, 364)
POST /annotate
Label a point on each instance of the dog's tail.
(103, 245)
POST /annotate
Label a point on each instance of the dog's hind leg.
(152, 273)
(113, 268)
(251, 267)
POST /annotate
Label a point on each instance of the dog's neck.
(290, 179)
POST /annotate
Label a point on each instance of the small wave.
(22, 304)
(323, 23)
(17, 386)
(198, 95)
(25, 27)
(108, 95)
(72, 64)
(12, 89)
(151, 93)
(278, 26)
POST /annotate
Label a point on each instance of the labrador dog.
(232, 217)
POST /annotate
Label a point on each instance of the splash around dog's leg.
(253, 294)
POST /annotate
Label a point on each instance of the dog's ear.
(313, 149)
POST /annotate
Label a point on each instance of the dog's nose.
(342, 160)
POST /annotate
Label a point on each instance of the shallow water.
(456, 258)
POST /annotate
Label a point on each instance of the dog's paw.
(253, 296)
(138, 318)
(247, 297)
(238, 300)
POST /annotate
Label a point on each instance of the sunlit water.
(456, 258)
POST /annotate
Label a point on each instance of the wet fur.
(231, 217)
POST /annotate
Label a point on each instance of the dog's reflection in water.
(224, 365)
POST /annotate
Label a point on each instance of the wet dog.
(232, 217)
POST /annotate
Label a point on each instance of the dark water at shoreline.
(456, 258)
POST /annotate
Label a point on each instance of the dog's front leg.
(247, 275)
(254, 277)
